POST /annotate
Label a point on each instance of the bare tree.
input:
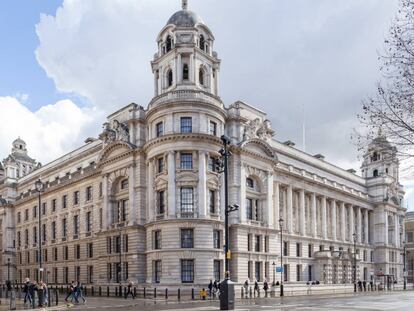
(391, 109)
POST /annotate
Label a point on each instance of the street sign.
(41, 269)
(279, 269)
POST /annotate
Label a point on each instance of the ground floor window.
(286, 273)
(217, 270)
(90, 274)
(258, 271)
(310, 277)
(298, 273)
(65, 275)
(267, 270)
(109, 271)
(157, 270)
(77, 273)
(126, 272)
(249, 269)
(187, 270)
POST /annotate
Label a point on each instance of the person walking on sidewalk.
(26, 291)
(79, 292)
(72, 292)
(265, 287)
(210, 288)
(256, 289)
(130, 292)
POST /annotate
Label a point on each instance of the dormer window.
(375, 173)
(202, 43)
(185, 72)
(375, 157)
(201, 76)
(250, 183)
(168, 44)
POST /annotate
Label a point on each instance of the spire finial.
(185, 4)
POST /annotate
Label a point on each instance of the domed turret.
(185, 18)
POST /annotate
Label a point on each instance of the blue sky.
(21, 73)
(67, 64)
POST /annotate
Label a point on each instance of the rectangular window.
(160, 202)
(124, 184)
(117, 244)
(249, 209)
(213, 128)
(19, 239)
(18, 217)
(187, 202)
(310, 250)
(100, 189)
(45, 252)
(187, 238)
(258, 271)
(90, 274)
(310, 273)
(100, 218)
(76, 198)
(64, 201)
(88, 223)
(89, 250)
(43, 208)
(123, 207)
(216, 239)
(125, 243)
(109, 271)
(77, 251)
(257, 242)
(55, 275)
(285, 273)
(159, 129)
(157, 239)
(187, 270)
(217, 270)
(157, 271)
(212, 201)
(186, 124)
(64, 227)
(43, 232)
(77, 273)
(249, 242)
(186, 161)
(54, 205)
(321, 248)
(409, 236)
(65, 275)
(298, 273)
(266, 244)
(55, 254)
(285, 248)
(26, 214)
(109, 245)
(65, 252)
(34, 235)
(249, 269)
(34, 211)
(76, 224)
(88, 193)
(298, 249)
(160, 165)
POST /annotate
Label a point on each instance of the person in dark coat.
(256, 288)
(210, 288)
(364, 284)
(129, 291)
(265, 287)
(72, 292)
(26, 291)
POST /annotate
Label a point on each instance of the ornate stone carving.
(257, 129)
(115, 131)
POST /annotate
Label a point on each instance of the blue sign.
(279, 269)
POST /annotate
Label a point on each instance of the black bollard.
(56, 296)
(135, 291)
(155, 292)
(145, 292)
(192, 294)
(107, 291)
(166, 293)
(179, 294)
(48, 297)
(92, 291)
(100, 291)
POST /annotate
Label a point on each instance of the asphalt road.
(383, 301)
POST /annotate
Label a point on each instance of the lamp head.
(39, 185)
(225, 140)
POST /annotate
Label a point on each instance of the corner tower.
(185, 58)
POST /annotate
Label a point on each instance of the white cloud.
(49, 132)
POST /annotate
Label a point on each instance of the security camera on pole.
(227, 296)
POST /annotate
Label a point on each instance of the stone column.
(179, 69)
(276, 205)
(359, 225)
(302, 228)
(156, 75)
(343, 222)
(396, 230)
(386, 227)
(366, 226)
(133, 215)
(150, 191)
(269, 205)
(202, 184)
(289, 215)
(314, 221)
(242, 194)
(324, 224)
(333, 205)
(351, 223)
(171, 185)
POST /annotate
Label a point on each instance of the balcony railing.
(185, 95)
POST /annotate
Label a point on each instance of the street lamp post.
(404, 264)
(40, 187)
(8, 270)
(281, 256)
(274, 273)
(354, 236)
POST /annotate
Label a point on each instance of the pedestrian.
(129, 292)
(364, 284)
(210, 288)
(360, 285)
(216, 288)
(40, 294)
(256, 288)
(265, 287)
(246, 288)
(203, 294)
(79, 292)
(26, 291)
(71, 293)
(45, 293)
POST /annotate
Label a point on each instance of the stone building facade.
(144, 201)
(409, 240)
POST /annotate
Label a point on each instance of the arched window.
(201, 76)
(375, 173)
(375, 157)
(169, 78)
(168, 44)
(250, 182)
(202, 43)
(185, 72)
